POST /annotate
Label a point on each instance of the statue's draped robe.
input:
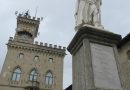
(88, 12)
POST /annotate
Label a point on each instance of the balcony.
(32, 85)
(48, 87)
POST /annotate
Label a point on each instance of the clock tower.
(27, 28)
(31, 65)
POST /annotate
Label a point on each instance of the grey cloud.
(57, 26)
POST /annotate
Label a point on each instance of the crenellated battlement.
(29, 17)
(27, 30)
(49, 45)
(27, 26)
(41, 44)
(10, 38)
(28, 62)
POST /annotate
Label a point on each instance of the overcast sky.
(57, 26)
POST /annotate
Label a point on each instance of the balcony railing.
(32, 84)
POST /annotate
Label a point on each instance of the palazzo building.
(29, 65)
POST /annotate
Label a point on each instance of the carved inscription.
(104, 67)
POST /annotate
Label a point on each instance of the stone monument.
(94, 51)
(88, 13)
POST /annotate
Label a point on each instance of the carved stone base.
(87, 25)
(95, 60)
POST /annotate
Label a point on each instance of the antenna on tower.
(36, 11)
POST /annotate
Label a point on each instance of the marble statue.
(88, 13)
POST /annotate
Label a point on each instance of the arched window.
(36, 58)
(33, 75)
(50, 60)
(49, 78)
(21, 56)
(16, 74)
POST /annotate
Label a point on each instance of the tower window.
(36, 58)
(128, 54)
(21, 55)
(33, 75)
(49, 79)
(50, 60)
(16, 74)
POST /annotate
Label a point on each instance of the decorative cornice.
(93, 34)
(124, 40)
(29, 19)
(41, 48)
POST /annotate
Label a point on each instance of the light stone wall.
(27, 64)
(125, 65)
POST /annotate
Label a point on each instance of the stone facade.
(46, 60)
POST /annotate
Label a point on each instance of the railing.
(48, 87)
(32, 84)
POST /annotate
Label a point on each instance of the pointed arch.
(21, 56)
(16, 75)
(33, 75)
(49, 78)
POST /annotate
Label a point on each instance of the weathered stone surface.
(34, 57)
(88, 13)
(97, 70)
(104, 67)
